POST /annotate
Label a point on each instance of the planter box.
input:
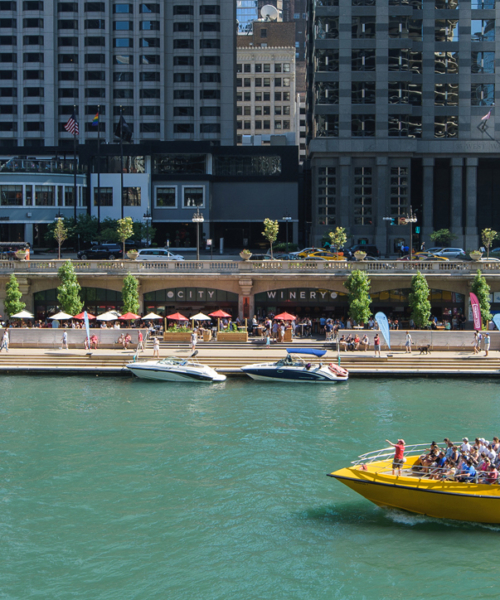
(177, 336)
(207, 335)
(224, 336)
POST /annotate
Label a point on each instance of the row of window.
(144, 59)
(404, 59)
(445, 94)
(409, 126)
(144, 8)
(263, 82)
(146, 94)
(262, 110)
(438, 4)
(445, 30)
(262, 96)
(40, 195)
(263, 68)
(165, 197)
(91, 41)
(258, 124)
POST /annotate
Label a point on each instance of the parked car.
(326, 255)
(305, 252)
(111, 251)
(262, 257)
(157, 254)
(450, 252)
(370, 250)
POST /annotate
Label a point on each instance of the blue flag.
(87, 326)
(496, 320)
(383, 325)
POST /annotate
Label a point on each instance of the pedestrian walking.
(5, 341)
(376, 345)
(408, 343)
(64, 340)
(194, 340)
(487, 342)
(476, 342)
(140, 342)
(156, 348)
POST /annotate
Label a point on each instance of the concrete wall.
(51, 338)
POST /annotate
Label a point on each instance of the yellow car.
(305, 252)
(326, 255)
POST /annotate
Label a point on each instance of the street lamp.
(410, 218)
(198, 218)
(147, 219)
(287, 218)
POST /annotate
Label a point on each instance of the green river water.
(116, 488)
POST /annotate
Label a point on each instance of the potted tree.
(132, 254)
(359, 255)
(476, 254)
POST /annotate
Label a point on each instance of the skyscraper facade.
(401, 114)
(167, 66)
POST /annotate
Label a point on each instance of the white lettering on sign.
(323, 294)
(333, 295)
(210, 294)
(312, 295)
(303, 295)
(271, 294)
(180, 294)
(170, 294)
(293, 295)
(190, 294)
(200, 293)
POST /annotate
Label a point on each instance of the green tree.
(86, 228)
(68, 293)
(125, 230)
(442, 237)
(13, 297)
(358, 286)
(271, 229)
(488, 236)
(338, 238)
(60, 235)
(130, 294)
(419, 301)
(481, 288)
(144, 233)
(108, 231)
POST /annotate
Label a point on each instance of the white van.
(157, 254)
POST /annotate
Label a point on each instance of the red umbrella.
(177, 317)
(80, 317)
(285, 317)
(219, 314)
(129, 317)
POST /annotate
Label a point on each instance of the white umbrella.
(200, 317)
(111, 315)
(151, 317)
(24, 314)
(61, 316)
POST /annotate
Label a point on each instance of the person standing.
(140, 342)
(399, 451)
(475, 342)
(156, 348)
(65, 340)
(487, 342)
(408, 343)
(376, 345)
(5, 341)
(194, 340)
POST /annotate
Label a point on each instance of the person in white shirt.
(465, 447)
(490, 453)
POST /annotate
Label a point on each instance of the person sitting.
(365, 342)
(126, 341)
(343, 343)
(121, 340)
(94, 340)
(492, 475)
(356, 342)
(350, 342)
(483, 470)
(438, 466)
(449, 472)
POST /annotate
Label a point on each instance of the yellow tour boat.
(415, 491)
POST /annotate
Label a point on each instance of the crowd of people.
(468, 463)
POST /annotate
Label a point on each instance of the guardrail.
(246, 267)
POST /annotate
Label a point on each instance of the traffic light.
(417, 229)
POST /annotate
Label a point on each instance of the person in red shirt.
(398, 456)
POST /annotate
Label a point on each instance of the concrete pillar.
(456, 201)
(28, 233)
(345, 192)
(471, 233)
(246, 301)
(382, 208)
(428, 201)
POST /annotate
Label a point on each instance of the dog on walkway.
(425, 349)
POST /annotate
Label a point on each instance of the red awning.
(177, 317)
(219, 314)
(80, 317)
(285, 317)
(129, 317)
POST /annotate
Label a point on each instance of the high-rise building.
(246, 13)
(167, 66)
(400, 115)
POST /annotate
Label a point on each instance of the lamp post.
(198, 218)
(147, 220)
(411, 218)
(287, 218)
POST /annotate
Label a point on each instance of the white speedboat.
(175, 368)
(294, 367)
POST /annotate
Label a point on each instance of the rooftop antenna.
(269, 13)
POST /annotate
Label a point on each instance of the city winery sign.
(298, 296)
(190, 294)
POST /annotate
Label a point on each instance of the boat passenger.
(492, 475)
(449, 448)
(490, 453)
(450, 472)
(496, 444)
(438, 466)
(398, 460)
(465, 447)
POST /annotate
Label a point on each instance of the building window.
(183, 10)
(106, 196)
(147, 76)
(166, 197)
(446, 30)
(326, 193)
(95, 59)
(327, 60)
(210, 9)
(149, 42)
(123, 9)
(44, 195)
(95, 93)
(363, 92)
(400, 190)
(363, 60)
(123, 110)
(405, 60)
(193, 197)
(405, 93)
(446, 62)
(123, 43)
(446, 127)
(327, 28)
(210, 27)
(37, 57)
(247, 125)
(483, 94)
(405, 28)
(363, 195)
(127, 76)
(183, 111)
(327, 125)
(94, 7)
(131, 196)
(210, 61)
(183, 77)
(123, 94)
(247, 68)
(483, 30)
(181, 94)
(483, 62)
(211, 78)
(149, 26)
(149, 128)
(211, 111)
(327, 92)
(263, 33)
(363, 27)
(446, 94)
(482, 4)
(209, 44)
(210, 128)
(183, 27)
(363, 125)
(11, 195)
(184, 128)
(405, 126)
(210, 95)
(95, 24)
(183, 44)
(123, 59)
(149, 111)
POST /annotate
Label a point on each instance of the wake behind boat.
(295, 368)
(422, 490)
(175, 368)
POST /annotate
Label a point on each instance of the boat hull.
(479, 503)
(290, 375)
(157, 374)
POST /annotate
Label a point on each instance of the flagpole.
(74, 163)
(121, 158)
(98, 168)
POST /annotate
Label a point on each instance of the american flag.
(72, 125)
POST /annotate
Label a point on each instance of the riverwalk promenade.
(228, 360)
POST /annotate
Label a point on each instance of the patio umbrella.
(80, 316)
(151, 317)
(285, 317)
(200, 317)
(61, 316)
(220, 314)
(177, 317)
(129, 317)
(111, 315)
(24, 314)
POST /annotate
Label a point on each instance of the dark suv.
(369, 249)
(110, 251)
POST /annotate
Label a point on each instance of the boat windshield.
(291, 361)
(172, 360)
